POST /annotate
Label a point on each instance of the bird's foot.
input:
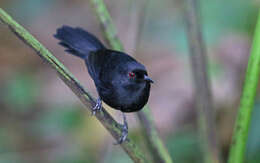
(124, 132)
(97, 107)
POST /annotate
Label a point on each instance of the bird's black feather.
(77, 41)
(109, 69)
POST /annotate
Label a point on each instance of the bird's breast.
(131, 98)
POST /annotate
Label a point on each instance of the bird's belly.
(126, 102)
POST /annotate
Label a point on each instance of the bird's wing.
(99, 69)
(94, 63)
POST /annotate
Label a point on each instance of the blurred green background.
(41, 120)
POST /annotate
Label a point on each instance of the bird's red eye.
(131, 74)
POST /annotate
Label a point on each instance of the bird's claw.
(97, 107)
(124, 132)
(123, 136)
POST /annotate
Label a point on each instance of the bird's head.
(138, 74)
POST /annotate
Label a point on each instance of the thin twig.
(160, 153)
(107, 24)
(240, 135)
(155, 144)
(203, 96)
(104, 117)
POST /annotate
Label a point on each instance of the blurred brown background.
(41, 120)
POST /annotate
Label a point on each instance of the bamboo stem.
(198, 59)
(240, 135)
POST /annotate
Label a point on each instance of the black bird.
(120, 80)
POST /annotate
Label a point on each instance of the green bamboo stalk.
(240, 135)
(104, 117)
(107, 24)
(159, 151)
(155, 144)
(204, 104)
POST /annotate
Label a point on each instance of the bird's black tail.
(78, 41)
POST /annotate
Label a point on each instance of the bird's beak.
(148, 79)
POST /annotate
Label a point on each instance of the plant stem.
(203, 96)
(155, 144)
(160, 153)
(240, 135)
(104, 117)
(107, 24)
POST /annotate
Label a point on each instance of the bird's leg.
(97, 107)
(124, 131)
